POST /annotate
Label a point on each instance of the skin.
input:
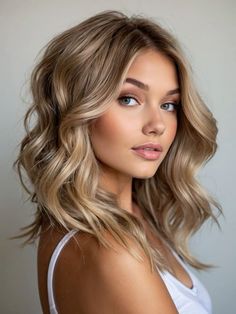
(145, 116)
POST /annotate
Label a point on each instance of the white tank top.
(187, 301)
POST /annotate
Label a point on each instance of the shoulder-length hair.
(78, 76)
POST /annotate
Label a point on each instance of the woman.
(118, 135)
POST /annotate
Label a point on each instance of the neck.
(119, 185)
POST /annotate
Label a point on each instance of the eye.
(169, 106)
(127, 100)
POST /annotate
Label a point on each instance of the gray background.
(206, 30)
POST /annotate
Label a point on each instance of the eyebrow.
(146, 87)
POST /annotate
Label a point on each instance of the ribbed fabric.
(187, 301)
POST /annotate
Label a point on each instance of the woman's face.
(144, 113)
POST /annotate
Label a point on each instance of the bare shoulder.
(68, 272)
(124, 284)
(92, 279)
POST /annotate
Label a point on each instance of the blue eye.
(127, 100)
(170, 106)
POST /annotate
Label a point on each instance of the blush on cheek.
(174, 129)
(102, 135)
(113, 126)
(104, 124)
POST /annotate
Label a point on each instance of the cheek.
(103, 129)
(109, 132)
(172, 130)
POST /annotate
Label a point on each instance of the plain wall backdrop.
(207, 32)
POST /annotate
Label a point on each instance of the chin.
(145, 174)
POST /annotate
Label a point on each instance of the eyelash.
(131, 97)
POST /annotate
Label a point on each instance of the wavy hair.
(78, 76)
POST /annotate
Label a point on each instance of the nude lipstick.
(149, 151)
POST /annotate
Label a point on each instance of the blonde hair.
(79, 74)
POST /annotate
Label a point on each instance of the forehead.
(153, 67)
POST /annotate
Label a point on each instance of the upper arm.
(115, 282)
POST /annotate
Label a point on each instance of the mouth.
(149, 151)
(147, 148)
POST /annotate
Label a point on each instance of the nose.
(155, 123)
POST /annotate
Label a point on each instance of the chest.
(177, 270)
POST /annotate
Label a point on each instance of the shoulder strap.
(51, 267)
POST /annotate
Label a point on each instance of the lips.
(150, 151)
(149, 147)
